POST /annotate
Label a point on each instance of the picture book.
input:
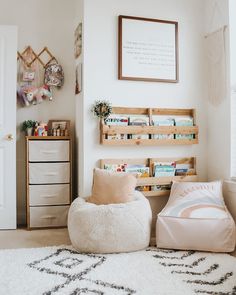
(140, 171)
(117, 136)
(115, 167)
(162, 121)
(164, 169)
(118, 120)
(141, 120)
(163, 187)
(184, 121)
(139, 136)
(182, 169)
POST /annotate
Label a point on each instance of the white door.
(8, 63)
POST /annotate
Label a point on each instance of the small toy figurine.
(36, 129)
(28, 95)
(44, 92)
(41, 129)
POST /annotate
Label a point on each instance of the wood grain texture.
(110, 130)
(150, 181)
(150, 142)
(106, 130)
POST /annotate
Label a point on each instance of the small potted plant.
(28, 126)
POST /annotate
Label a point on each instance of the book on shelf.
(115, 167)
(117, 136)
(184, 121)
(161, 187)
(140, 171)
(117, 120)
(164, 169)
(141, 120)
(139, 136)
(138, 120)
(162, 121)
(182, 169)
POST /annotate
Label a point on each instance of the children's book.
(184, 121)
(164, 169)
(117, 136)
(115, 167)
(182, 169)
(118, 120)
(141, 120)
(140, 171)
(139, 136)
(163, 187)
(162, 121)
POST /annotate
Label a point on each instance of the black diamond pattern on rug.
(73, 267)
(68, 262)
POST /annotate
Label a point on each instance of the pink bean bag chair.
(196, 218)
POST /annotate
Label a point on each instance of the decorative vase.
(29, 131)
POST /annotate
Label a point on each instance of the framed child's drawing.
(148, 49)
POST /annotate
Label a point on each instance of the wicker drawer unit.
(48, 181)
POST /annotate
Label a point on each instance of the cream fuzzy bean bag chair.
(110, 228)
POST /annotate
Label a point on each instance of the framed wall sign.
(148, 49)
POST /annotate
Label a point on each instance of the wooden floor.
(22, 238)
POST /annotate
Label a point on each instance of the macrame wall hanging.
(216, 61)
(216, 55)
(37, 75)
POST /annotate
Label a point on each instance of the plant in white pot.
(28, 126)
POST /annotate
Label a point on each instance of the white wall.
(100, 77)
(43, 23)
(216, 16)
(230, 186)
(232, 22)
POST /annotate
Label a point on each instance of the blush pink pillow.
(112, 187)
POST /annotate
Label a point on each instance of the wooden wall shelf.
(150, 181)
(106, 130)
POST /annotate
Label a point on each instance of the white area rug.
(61, 270)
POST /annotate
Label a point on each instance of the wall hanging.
(78, 41)
(37, 75)
(148, 49)
(216, 66)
